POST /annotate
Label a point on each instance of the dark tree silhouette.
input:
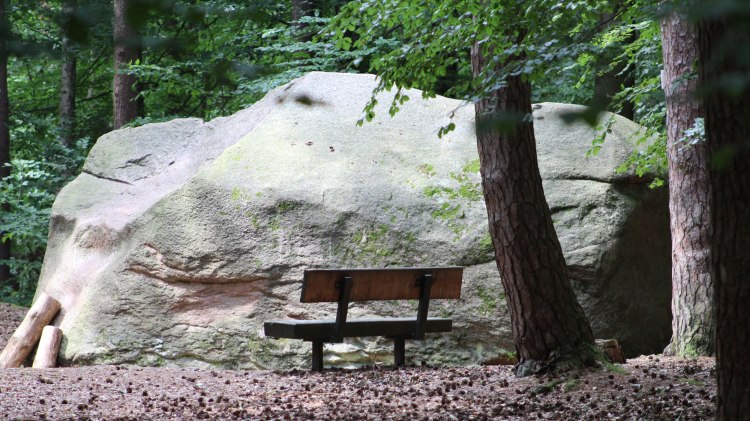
(300, 9)
(127, 106)
(609, 80)
(67, 81)
(4, 130)
(725, 79)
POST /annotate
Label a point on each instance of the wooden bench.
(343, 286)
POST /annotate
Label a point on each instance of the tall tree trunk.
(67, 82)
(610, 81)
(723, 53)
(548, 325)
(689, 195)
(300, 9)
(4, 131)
(127, 50)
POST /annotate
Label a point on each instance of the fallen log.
(28, 333)
(49, 345)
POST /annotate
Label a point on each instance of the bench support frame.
(424, 305)
(399, 343)
(345, 289)
(317, 356)
(399, 351)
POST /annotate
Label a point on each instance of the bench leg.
(399, 352)
(317, 356)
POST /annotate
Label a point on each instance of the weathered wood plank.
(381, 284)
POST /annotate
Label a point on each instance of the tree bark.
(4, 132)
(127, 105)
(548, 325)
(26, 336)
(723, 46)
(67, 82)
(689, 195)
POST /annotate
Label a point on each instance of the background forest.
(72, 70)
(212, 58)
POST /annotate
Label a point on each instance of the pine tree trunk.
(723, 45)
(300, 9)
(4, 132)
(67, 82)
(608, 82)
(689, 196)
(548, 325)
(126, 106)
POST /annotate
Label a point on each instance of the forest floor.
(648, 387)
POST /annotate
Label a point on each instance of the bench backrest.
(321, 285)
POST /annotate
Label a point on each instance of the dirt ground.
(648, 387)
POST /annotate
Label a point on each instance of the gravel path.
(652, 387)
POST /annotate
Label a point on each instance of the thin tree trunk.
(608, 81)
(723, 46)
(689, 196)
(548, 325)
(68, 82)
(4, 131)
(300, 9)
(127, 50)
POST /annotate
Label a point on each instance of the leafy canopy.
(529, 39)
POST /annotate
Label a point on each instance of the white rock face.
(180, 239)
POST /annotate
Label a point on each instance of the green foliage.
(204, 58)
(694, 135)
(209, 58)
(40, 165)
(635, 34)
(534, 40)
(652, 159)
(555, 45)
(612, 368)
(227, 58)
(29, 193)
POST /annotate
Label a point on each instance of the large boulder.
(180, 239)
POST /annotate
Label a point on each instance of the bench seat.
(313, 330)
